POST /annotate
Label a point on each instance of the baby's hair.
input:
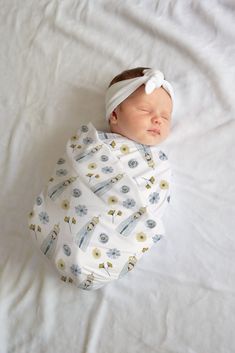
(127, 74)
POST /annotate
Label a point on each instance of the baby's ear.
(113, 117)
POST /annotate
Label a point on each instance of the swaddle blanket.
(102, 207)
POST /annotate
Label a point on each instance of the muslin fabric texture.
(102, 207)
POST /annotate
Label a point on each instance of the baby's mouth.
(154, 131)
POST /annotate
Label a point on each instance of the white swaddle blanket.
(102, 207)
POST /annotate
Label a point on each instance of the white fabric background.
(56, 59)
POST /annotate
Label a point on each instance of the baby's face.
(145, 118)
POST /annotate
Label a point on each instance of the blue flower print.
(168, 198)
(133, 163)
(125, 189)
(107, 170)
(162, 156)
(44, 218)
(104, 158)
(103, 238)
(81, 210)
(151, 223)
(76, 270)
(39, 200)
(67, 250)
(113, 253)
(87, 140)
(61, 161)
(84, 128)
(154, 197)
(76, 193)
(129, 203)
(61, 172)
(156, 238)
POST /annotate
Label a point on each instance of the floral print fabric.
(101, 209)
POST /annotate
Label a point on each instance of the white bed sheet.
(56, 59)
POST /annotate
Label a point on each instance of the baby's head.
(139, 105)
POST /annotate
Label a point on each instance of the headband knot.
(155, 80)
(120, 90)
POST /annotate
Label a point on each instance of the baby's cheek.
(167, 126)
(166, 131)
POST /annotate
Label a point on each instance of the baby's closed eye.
(146, 110)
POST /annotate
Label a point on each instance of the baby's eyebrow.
(143, 106)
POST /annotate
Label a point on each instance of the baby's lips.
(156, 131)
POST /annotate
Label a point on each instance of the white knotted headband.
(119, 91)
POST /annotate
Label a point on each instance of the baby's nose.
(156, 120)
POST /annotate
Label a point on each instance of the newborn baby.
(102, 207)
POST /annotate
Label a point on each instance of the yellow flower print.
(141, 236)
(67, 220)
(124, 149)
(164, 184)
(92, 166)
(31, 214)
(74, 138)
(61, 264)
(33, 227)
(112, 200)
(96, 253)
(145, 249)
(65, 204)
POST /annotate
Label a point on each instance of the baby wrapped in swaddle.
(102, 207)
